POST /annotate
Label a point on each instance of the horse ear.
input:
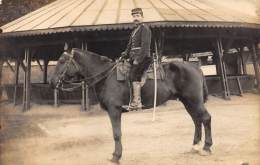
(74, 53)
(66, 46)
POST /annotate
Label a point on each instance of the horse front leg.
(115, 118)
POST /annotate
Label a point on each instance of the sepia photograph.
(130, 82)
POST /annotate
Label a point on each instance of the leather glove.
(120, 59)
(123, 54)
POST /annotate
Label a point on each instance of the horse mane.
(102, 58)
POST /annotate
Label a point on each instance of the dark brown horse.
(183, 81)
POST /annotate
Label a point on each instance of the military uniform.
(138, 50)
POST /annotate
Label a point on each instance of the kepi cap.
(137, 11)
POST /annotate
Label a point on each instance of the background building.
(181, 28)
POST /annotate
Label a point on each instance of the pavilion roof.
(88, 15)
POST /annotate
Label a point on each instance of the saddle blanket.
(123, 69)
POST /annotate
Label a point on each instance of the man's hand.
(123, 54)
(119, 59)
(135, 62)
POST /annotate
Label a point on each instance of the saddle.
(123, 70)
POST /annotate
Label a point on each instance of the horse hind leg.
(197, 124)
(205, 117)
(200, 116)
(197, 135)
(206, 120)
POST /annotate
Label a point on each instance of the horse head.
(66, 69)
(81, 63)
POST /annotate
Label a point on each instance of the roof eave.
(125, 26)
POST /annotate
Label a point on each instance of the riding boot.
(136, 103)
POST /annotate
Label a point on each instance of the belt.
(135, 48)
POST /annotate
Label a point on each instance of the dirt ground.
(66, 136)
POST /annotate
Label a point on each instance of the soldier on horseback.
(138, 52)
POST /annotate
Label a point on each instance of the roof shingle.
(75, 13)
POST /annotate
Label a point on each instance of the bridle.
(68, 63)
(93, 79)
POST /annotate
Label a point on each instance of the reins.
(104, 74)
(108, 74)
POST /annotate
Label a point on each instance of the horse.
(182, 81)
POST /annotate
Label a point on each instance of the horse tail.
(205, 88)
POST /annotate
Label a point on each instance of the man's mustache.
(136, 21)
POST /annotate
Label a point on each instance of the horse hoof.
(194, 151)
(114, 160)
(204, 152)
(196, 148)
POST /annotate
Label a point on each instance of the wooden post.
(17, 65)
(224, 80)
(39, 63)
(161, 44)
(186, 56)
(242, 59)
(56, 95)
(45, 71)
(87, 97)
(256, 66)
(27, 81)
(9, 65)
(239, 86)
(217, 62)
(83, 105)
(24, 81)
(22, 65)
(84, 45)
(224, 69)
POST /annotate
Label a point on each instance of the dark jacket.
(138, 46)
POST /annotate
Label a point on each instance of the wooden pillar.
(9, 65)
(186, 57)
(45, 71)
(161, 44)
(85, 91)
(56, 95)
(27, 81)
(39, 63)
(17, 65)
(256, 65)
(215, 59)
(243, 62)
(84, 45)
(83, 105)
(24, 80)
(224, 80)
(87, 102)
(239, 86)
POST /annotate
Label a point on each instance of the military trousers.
(137, 71)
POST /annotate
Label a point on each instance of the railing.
(71, 88)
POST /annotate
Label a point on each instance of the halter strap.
(106, 73)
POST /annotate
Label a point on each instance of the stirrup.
(131, 107)
(125, 107)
